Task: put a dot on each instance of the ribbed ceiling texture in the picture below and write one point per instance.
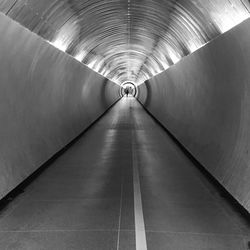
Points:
(127, 40)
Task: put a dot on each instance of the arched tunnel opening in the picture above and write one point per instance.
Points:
(128, 89)
(84, 167)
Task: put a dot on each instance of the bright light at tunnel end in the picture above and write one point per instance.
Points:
(128, 85)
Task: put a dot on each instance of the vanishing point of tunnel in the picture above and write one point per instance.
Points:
(124, 124)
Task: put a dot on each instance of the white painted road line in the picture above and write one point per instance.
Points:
(120, 216)
(140, 234)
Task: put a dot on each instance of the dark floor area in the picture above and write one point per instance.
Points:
(85, 199)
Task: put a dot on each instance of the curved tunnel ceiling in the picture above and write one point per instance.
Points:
(127, 40)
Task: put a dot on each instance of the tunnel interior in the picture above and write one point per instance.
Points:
(124, 124)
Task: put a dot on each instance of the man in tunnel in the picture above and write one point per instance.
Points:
(126, 91)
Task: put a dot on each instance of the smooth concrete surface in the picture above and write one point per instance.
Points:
(85, 199)
(204, 101)
(47, 98)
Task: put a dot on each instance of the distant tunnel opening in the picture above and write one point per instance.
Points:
(128, 89)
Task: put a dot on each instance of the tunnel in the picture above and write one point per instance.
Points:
(125, 124)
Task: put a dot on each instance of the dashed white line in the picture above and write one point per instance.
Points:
(120, 215)
(140, 234)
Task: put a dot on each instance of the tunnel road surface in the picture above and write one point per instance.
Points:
(124, 184)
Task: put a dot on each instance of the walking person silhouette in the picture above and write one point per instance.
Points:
(126, 92)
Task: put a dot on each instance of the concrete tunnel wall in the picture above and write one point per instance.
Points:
(204, 101)
(47, 98)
